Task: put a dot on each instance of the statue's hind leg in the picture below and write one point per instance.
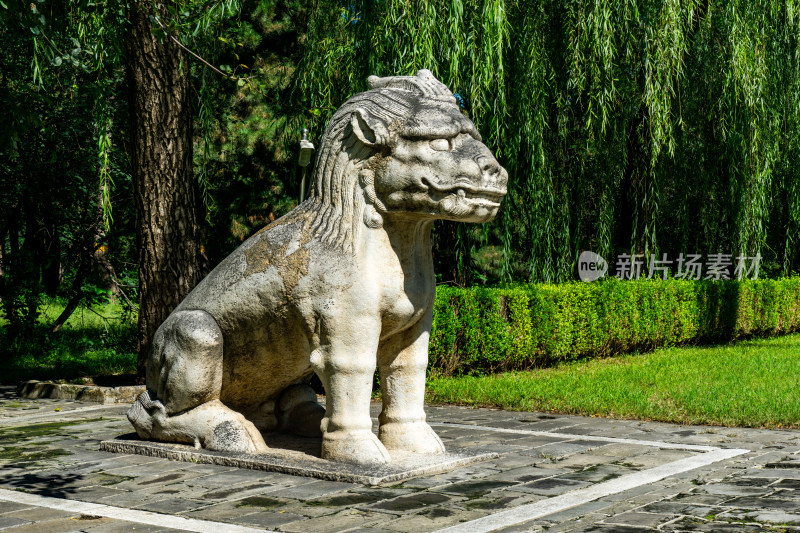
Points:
(299, 412)
(184, 378)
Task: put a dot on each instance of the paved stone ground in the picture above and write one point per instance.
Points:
(556, 473)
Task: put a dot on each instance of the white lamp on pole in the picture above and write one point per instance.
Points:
(306, 149)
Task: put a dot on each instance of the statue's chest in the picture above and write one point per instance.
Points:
(406, 300)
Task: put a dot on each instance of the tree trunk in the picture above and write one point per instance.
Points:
(51, 264)
(75, 294)
(165, 191)
(106, 272)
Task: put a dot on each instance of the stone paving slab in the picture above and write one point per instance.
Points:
(49, 449)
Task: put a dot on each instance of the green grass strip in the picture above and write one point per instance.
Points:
(751, 383)
(100, 340)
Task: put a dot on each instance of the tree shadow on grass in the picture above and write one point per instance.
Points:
(719, 311)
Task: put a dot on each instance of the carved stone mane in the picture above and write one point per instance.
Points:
(342, 196)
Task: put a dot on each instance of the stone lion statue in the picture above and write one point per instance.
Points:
(339, 285)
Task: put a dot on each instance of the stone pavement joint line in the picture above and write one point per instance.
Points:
(574, 498)
(572, 436)
(130, 515)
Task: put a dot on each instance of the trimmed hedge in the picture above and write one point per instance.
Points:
(479, 330)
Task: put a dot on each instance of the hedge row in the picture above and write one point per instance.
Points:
(481, 330)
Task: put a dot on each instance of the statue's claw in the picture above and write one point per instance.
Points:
(357, 447)
(417, 437)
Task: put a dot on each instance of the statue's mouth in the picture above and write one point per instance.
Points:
(465, 191)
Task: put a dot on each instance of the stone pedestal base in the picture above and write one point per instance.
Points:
(299, 456)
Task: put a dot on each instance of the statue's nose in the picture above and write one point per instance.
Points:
(490, 171)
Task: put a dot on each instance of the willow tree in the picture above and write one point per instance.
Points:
(637, 126)
(58, 69)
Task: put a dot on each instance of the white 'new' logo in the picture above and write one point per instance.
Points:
(591, 266)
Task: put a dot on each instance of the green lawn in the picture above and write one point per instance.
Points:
(750, 383)
(94, 341)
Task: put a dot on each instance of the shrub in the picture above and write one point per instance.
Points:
(480, 329)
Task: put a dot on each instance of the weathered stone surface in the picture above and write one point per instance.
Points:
(640, 519)
(340, 285)
(10, 521)
(552, 485)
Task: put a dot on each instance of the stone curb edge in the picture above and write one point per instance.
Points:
(34, 389)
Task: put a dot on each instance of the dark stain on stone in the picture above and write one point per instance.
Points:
(111, 479)
(597, 474)
(260, 501)
(496, 503)
(475, 489)
(437, 513)
(528, 477)
(168, 477)
(225, 432)
(551, 483)
(413, 501)
(15, 434)
(782, 465)
(356, 498)
(24, 456)
(793, 484)
(224, 493)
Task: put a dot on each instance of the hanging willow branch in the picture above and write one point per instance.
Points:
(644, 126)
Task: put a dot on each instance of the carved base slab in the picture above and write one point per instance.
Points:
(296, 456)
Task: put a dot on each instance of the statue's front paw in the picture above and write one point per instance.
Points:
(417, 437)
(145, 413)
(357, 447)
(226, 430)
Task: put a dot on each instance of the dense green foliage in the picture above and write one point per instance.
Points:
(481, 330)
(67, 224)
(750, 383)
(57, 159)
(657, 126)
(245, 146)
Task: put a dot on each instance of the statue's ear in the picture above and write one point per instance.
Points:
(369, 129)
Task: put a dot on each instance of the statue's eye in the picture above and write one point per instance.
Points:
(440, 145)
